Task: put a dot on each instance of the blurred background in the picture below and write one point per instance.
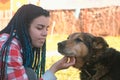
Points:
(98, 17)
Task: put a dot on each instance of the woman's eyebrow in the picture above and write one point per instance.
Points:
(43, 25)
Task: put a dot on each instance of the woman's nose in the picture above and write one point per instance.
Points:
(45, 32)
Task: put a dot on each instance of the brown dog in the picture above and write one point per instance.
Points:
(93, 56)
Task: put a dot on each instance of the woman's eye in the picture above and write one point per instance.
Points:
(78, 40)
(39, 28)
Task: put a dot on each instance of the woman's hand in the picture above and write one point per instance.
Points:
(63, 63)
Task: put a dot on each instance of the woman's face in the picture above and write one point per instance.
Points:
(38, 31)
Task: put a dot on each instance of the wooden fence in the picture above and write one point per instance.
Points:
(101, 21)
(98, 21)
(5, 17)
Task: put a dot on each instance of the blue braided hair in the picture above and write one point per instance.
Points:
(18, 28)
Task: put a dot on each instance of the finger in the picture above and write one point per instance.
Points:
(72, 61)
(65, 59)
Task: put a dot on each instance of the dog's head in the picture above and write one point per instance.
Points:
(81, 45)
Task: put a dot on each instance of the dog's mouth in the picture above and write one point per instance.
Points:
(63, 50)
(66, 53)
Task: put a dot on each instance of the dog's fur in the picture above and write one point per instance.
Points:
(94, 58)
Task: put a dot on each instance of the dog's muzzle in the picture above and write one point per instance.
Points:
(61, 46)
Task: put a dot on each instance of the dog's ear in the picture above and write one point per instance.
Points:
(99, 43)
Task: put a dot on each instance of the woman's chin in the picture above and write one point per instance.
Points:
(38, 45)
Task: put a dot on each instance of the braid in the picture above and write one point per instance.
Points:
(4, 51)
(39, 63)
(43, 61)
(27, 50)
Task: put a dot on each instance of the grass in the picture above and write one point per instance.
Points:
(70, 73)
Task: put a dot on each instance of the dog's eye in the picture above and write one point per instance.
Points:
(68, 37)
(78, 40)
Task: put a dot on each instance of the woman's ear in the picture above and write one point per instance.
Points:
(99, 43)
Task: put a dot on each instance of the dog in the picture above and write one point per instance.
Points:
(94, 58)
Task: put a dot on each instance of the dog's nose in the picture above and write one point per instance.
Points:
(61, 44)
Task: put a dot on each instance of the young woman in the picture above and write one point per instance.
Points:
(23, 46)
